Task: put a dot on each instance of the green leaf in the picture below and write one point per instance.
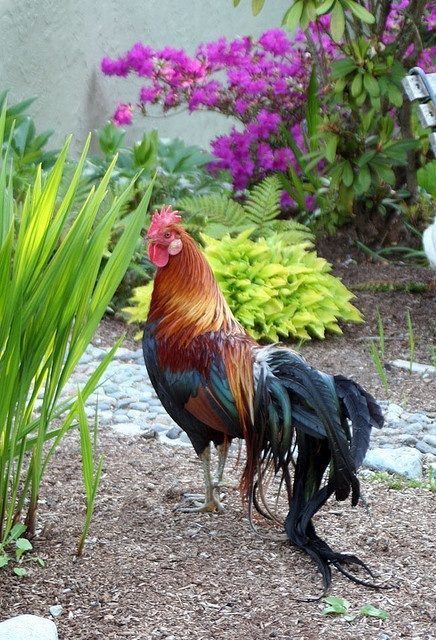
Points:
(371, 85)
(427, 178)
(308, 15)
(360, 99)
(20, 571)
(145, 151)
(257, 6)
(357, 85)
(395, 96)
(372, 612)
(363, 180)
(384, 173)
(330, 147)
(324, 7)
(16, 531)
(291, 19)
(340, 85)
(236, 2)
(359, 11)
(214, 209)
(398, 150)
(337, 23)
(18, 108)
(347, 175)
(387, 126)
(23, 133)
(23, 544)
(263, 202)
(4, 559)
(110, 138)
(367, 119)
(335, 605)
(313, 106)
(343, 67)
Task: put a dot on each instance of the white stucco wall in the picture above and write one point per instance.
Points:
(52, 49)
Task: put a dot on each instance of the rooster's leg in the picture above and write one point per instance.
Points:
(211, 502)
(223, 450)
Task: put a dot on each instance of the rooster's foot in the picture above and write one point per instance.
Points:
(200, 504)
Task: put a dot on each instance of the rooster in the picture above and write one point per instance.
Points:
(218, 384)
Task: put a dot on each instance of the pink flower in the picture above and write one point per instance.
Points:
(241, 106)
(140, 59)
(280, 86)
(310, 202)
(150, 94)
(114, 67)
(275, 41)
(123, 114)
(282, 159)
(265, 156)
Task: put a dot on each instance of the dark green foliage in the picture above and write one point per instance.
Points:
(27, 147)
(427, 178)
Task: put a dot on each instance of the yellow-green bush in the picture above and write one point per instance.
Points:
(274, 289)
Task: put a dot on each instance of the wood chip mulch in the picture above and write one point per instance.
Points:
(149, 572)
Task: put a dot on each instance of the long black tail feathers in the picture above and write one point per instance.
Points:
(324, 557)
(364, 412)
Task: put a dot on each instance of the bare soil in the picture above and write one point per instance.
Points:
(149, 572)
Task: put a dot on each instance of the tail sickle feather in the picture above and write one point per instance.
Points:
(297, 406)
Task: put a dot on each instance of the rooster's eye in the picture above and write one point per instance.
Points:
(167, 234)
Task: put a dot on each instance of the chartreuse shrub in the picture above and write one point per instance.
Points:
(275, 290)
(54, 289)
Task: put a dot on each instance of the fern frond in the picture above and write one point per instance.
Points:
(219, 214)
(218, 211)
(263, 202)
(292, 232)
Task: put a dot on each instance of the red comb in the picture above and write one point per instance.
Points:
(163, 218)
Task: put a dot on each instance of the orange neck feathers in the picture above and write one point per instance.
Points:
(186, 304)
(186, 300)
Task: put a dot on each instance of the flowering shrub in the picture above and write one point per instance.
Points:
(264, 87)
(264, 83)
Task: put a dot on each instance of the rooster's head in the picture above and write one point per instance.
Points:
(164, 236)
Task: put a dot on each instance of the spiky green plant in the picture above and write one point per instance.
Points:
(53, 293)
(91, 470)
(274, 289)
(219, 214)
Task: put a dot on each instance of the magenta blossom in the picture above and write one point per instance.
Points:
(123, 114)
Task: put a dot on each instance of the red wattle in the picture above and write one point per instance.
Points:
(158, 254)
